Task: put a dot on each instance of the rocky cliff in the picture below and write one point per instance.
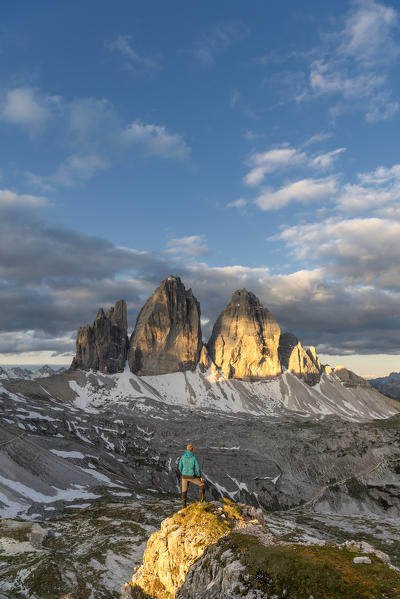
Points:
(223, 550)
(104, 344)
(181, 540)
(245, 339)
(295, 358)
(388, 385)
(167, 335)
(349, 378)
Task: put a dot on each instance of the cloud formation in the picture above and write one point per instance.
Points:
(303, 191)
(27, 108)
(123, 45)
(353, 63)
(285, 158)
(344, 299)
(89, 131)
(192, 245)
(220, 38)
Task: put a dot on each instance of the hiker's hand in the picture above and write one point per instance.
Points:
(202, 479)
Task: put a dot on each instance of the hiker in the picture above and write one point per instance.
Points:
(190, 471)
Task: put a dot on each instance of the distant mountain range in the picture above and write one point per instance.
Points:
(388, 385)
(25, 373)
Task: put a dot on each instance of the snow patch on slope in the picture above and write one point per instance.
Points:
(203, 391)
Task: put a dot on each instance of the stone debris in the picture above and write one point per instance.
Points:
(362, 560)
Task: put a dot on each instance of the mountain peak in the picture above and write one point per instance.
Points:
(245, 338)
(104, 344)
(167, 335)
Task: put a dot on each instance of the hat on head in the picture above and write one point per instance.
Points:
(189, 447)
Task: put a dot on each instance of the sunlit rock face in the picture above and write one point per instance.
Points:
(293, 357)
(104, 344)
(167, 335)
(181, 541)
(245, 339)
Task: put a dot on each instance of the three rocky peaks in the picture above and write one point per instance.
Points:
(246, 341)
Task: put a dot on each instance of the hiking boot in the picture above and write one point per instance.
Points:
(184, 500)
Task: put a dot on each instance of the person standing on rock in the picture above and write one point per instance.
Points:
(190, 471)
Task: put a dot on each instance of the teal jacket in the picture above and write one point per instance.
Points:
(189, 465)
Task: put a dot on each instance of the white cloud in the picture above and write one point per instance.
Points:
(368, 33)
(359, 250)
(303, 191)
(285, 158)
(26, 107)
(156, 140)
(192, 245)
(240, 203)
(317, 138)
(381, 175)
(78, 167)
(353, 63)
(376, 191)
(220, 38)
(263, 163)
(10, 199)
(123, 45)
(90, 133)
(325, 161)
(250, 135)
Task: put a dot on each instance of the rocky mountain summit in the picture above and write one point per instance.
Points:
(103, 345)
(388, 385)
(224, 550)
(25, 373)
(303, 363)
(246, 341)
(167, 335)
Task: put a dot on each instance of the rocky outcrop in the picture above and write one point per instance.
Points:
(303, 363)
(167, 335)
(349, 378)
(223, 550)
(181, 541)
(388, 385)
(104, 344)
(245, 338)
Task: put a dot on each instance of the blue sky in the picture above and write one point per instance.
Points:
(234, 144)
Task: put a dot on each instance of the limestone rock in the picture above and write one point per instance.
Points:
(349, 378)
(245, 338)
(167, 335)
(104, 344)
(294, 357)
(204, 360)
(362, 560)
(181, 541)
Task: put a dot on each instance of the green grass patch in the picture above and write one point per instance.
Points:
(296, 571)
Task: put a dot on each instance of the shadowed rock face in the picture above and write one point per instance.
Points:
(104, 344)
(245, 338)
(349, 378)
(295, 358)
(167, 335)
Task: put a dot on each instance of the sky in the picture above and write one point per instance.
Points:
(233, 144)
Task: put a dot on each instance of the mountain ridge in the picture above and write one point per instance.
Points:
(246, 341)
